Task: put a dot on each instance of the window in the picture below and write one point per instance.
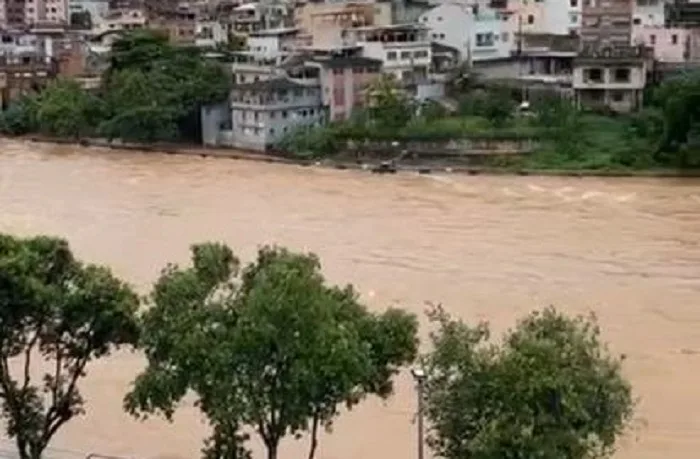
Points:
(622, 75)
(504, 36)
(594, 75)
(484, 39)
(420, 54)
(272, 115)
(442, 36)
(652, 39)
(272, 131)
(636, 21)
(337, 71)
(574, 18)
(358, 70)
(618, 96)
(405, 55)
(674, 39)
(573, 3)
(530, 19)
(391, 55)
(439, 18)
(284, 113)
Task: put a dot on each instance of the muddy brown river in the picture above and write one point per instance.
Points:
(485, 247)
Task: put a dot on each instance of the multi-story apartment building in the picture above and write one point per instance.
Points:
(262, 113)
(19, 13)
(609, 71)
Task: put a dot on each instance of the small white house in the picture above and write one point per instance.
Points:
(479, 33)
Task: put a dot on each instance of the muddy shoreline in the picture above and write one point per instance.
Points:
(372, 166)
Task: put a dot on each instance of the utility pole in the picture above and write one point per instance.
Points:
(419, 376)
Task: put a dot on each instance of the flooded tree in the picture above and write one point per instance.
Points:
(548, 389)
(270, 347)
(56, 315)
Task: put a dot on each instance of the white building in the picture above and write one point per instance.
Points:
(649, 13)
(404, 49)
(478, 33)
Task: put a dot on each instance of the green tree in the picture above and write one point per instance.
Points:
(20, 117)
(549, 389)
(389, 107)
(166, 85)
(270, 347)
(55, 309)
(679, 99)
(66, 110)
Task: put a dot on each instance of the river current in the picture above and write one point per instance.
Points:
(487, 248)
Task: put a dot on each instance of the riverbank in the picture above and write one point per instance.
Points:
(373, 166)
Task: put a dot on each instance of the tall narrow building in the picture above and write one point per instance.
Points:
(606, 23)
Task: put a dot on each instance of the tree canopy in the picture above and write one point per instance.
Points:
(152, 91)
(679, 99)
(54, 309)
(271, 347)
(549, 389)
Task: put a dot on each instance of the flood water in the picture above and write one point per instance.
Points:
(489, 248)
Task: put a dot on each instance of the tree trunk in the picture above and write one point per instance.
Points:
(314, 437)
(272, 449)
(22, 448)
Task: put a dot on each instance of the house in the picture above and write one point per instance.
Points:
(611, 77)
(546, 64)
(263, 112)
(479, 33)
(403, 49)
(344, 80)
(179, 24)
(118, 20)
(253, 17)
(556, 17)
(209, 34)
(324, 23)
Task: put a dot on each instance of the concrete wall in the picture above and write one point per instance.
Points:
(214, 118)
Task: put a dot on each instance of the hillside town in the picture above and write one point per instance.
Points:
(304, 63)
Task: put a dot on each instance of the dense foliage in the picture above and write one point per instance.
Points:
(152, 91)
(270, 347)
(549, 389)
(60, 314)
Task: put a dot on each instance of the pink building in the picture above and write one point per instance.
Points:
(344, 80)
(670, 45)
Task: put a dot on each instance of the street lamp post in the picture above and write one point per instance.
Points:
(419, 376)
